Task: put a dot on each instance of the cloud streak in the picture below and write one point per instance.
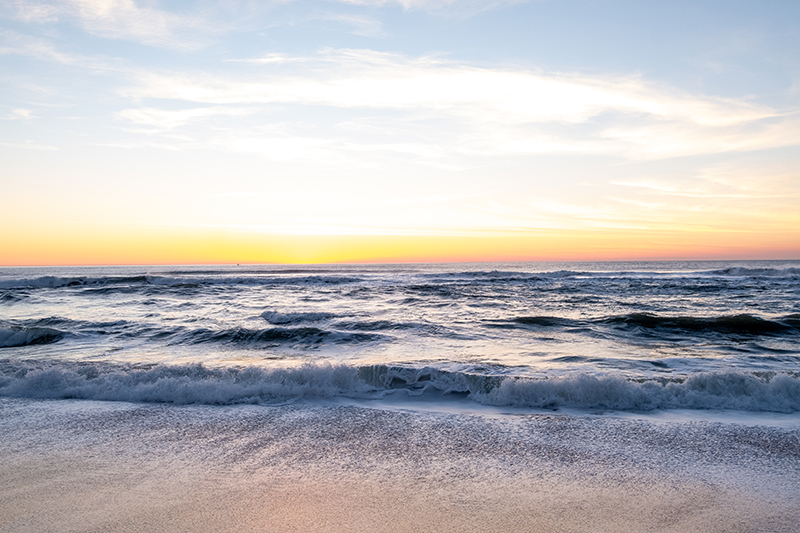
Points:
(485, 111)
(119, 19)
(457, 7)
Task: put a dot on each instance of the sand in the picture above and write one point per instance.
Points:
(95, 466)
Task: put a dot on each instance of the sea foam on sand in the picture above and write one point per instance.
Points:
(69, 465)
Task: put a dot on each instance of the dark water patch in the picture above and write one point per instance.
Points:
(303, 336)
(761, 348)
(439, 291)
(315, 280)
(776, 358)
(113, 289)
(179, 290)
(792, 320)
(572, 359)
(545, 321)
(162, 333)
(494, 276)
(742, 324)
(377, 325)
(296, 317)
(64, 326)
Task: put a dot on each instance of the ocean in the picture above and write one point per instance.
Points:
(671, 382)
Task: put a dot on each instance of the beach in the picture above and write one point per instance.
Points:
(99, 466)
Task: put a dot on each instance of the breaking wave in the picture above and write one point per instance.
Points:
(197, 384)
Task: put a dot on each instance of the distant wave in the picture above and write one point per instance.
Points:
(245, 337)
(517, 276)
(53, 329)
(258, 280)
(54, 282)
(197, 384)
(758, 272)
(12, 297)
(743, 323)
(123, 283)
(728, 324)
(427, 282)
(505, 275)
(275, 317)
(22, 336)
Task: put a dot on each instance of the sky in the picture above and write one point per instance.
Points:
(291, 131)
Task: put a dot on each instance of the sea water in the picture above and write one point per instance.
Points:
(646, 396)
(624, 336)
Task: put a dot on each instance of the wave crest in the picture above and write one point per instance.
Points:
(26, 336)
(197, 384)
(711, 390)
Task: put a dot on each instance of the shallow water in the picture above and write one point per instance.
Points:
(77, 465)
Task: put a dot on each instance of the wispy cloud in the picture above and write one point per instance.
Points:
(125, 19)
(31, 11)
(163, 119)
(18, 114)
(14, 43)
(28, 145)
(457, 7)
(360, 25)
(491, 111)
(119, 19)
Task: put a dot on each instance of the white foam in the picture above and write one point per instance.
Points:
(190, 384)
(187, 384)
(706, 390)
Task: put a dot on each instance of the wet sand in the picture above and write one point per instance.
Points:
(94, 466)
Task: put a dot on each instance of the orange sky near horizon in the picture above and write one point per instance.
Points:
(159, 247)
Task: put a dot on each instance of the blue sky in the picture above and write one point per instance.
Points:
(402, 117)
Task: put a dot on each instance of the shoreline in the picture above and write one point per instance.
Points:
(72, 465)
